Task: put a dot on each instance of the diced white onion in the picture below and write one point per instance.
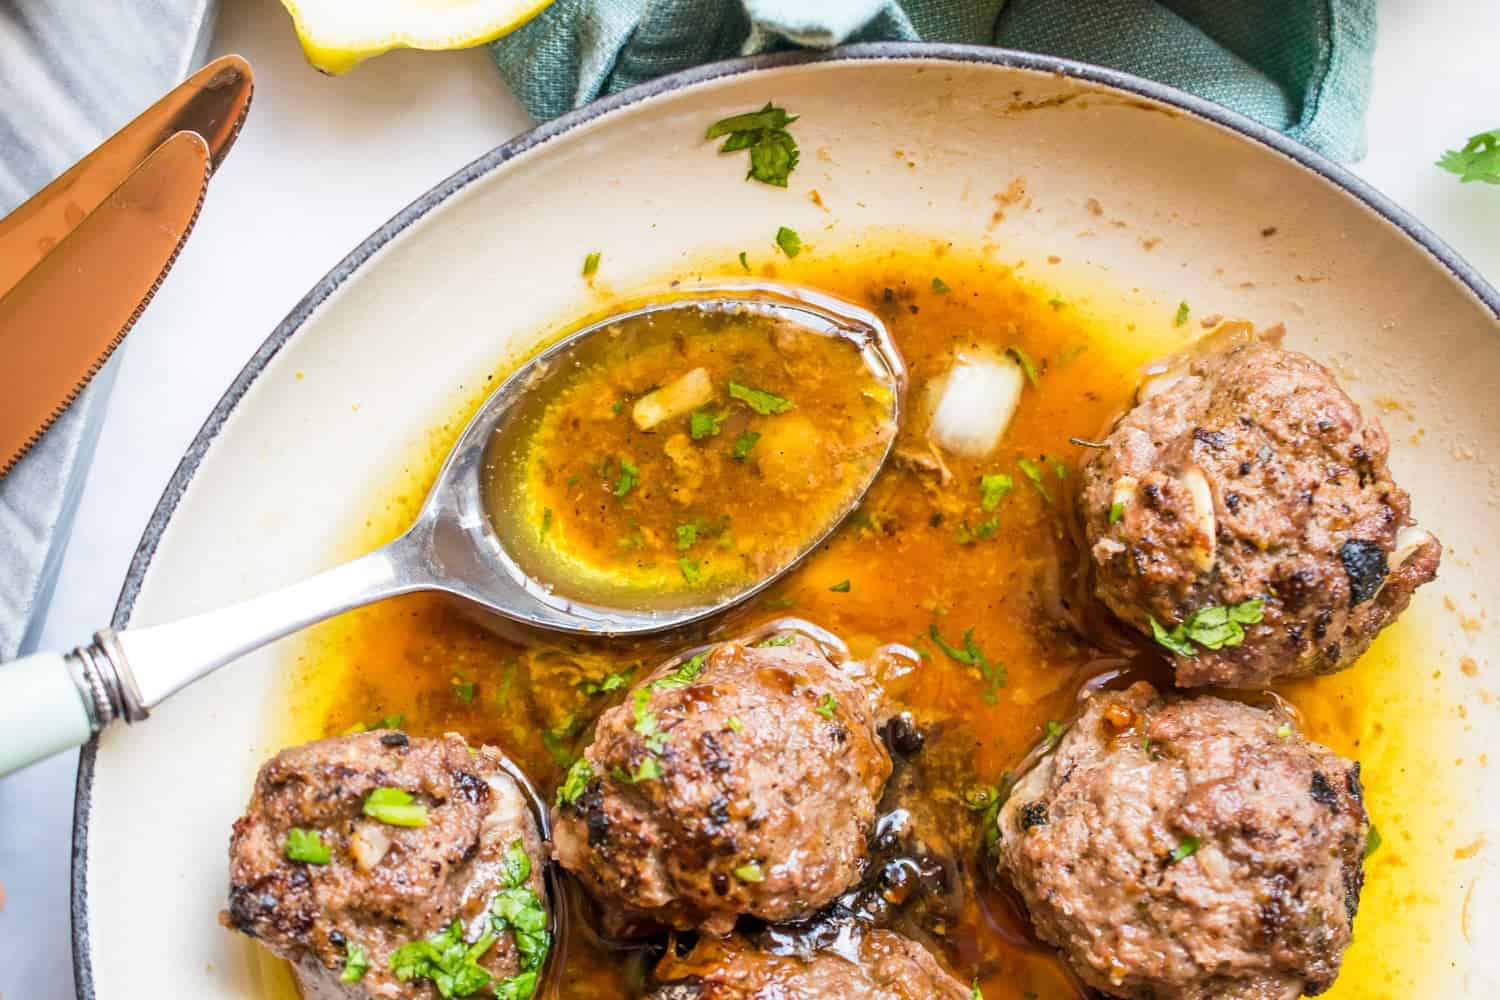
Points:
(680, 396)
(1408, 541)
(368, 844)
(1124, 492)
(1157, 383)
(975, 403)
(1204, 519)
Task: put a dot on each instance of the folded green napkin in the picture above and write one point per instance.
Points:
(1299, 66)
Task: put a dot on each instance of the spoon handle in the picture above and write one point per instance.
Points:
(50, 702)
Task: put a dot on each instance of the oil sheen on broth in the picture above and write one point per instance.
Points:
(909, 568)
(684, 454)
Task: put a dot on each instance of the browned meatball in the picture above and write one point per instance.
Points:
(1188, 850)
(1246, 479)
(885, 966)
(741, 781)
(452, 852)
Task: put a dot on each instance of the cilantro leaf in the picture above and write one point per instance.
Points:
(1054, 731)
(691, 574)
(1185, 850)
(789, 241)
(992, 489)
(647, 725)
(827, 705)
(687, 535)
(750, 872)
(515, 866)
(1033, 472)
(768, 117)
(744, 262)
(765, 403)
(446, 960)
(591, 263)
(743, 444)
(1183, 311)
(703, 424)
(972, 656)
(940, 287)
(773, 150)
(395, 807)
(306, 846)
(842, 587)
(1024, 360)
(1212, 628)
(683, 676)
(1373, 841)
(630, 477)
(577, 781)
(1479, 160)
(1116, 512)
(356, 963)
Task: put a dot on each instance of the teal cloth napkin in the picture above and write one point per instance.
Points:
(1299, 66)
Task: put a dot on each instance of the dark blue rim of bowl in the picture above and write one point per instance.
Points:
(878, 51)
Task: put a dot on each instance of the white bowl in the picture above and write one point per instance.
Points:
(1243, 222)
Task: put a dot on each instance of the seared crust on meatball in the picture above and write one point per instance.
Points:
(1246, 474)
(1189, 849)
(741, 781)
(887, 966)
(382, 886)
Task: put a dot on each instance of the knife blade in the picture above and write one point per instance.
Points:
(212, 102)
(65, 317)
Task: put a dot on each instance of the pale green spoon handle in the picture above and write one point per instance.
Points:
(42, 710)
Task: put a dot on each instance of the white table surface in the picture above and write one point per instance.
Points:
(322, 162)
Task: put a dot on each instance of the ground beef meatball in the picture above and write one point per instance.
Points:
(743, 780)
(882, 965)
(1188, 850)
(1243, 475)
(451, 852)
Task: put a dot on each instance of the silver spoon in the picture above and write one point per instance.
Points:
(52, 701)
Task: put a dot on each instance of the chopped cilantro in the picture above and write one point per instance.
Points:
(515, 866)
(1033, 472)
(464, 690)
(744, 262)
(630, 477)
(1212, 628)
(1479, 160)
(842, 587)
(546, 522)
(1185, 850)
(1056, 304)
(762, 402)
(1054, 731)
(1116, 511)
(750, 872)
(743, 444)
(773, 151)
(703, 424)
(785, 639)
(689, 569)
(647, 725)
(591, 263)
(972, 656)
(648, 770)
(611, 682)
(992, 489)
(1024, 360)
(395, 807)
(450, 963)
(576, 782)
(940, 287)
(687, 535)
(1284, 730)
(1372, 841)
(356, 963)
(789, 241)
(306, 846)
(827, 705)
(735, 725)
(1183, 312)
(974, 991)
(683, 676)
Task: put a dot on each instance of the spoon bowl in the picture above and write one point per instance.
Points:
(453, 547)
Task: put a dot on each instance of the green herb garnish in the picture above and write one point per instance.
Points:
(992, 489)
(789, 241)
(610, 682)
(630, 477)
(395, 807)
(1024, 360)
(1182, 314)
(687, 535)
(1284, 730)
(735, 725)
(827, 705)
(356, 963)
(464, 690)
(689, 569)
(842, 587)
(1212, 628)
(972, 656)
(683, 676)
(649, 770)
(750, 872)
(1033, 472)
(451, 964)
(1054, 731)
(940, 287)
(1184, 850)
(743, 444)
(591, 263)
(703, 424)
(1479, 160)
(306, 846)
(546, 522)
(762, 402)
(773, 151)
(1373, 841)
(576, 782)
(974, 991)
(744, 262)
(785, 639)
(1116, 511)
(647, 725)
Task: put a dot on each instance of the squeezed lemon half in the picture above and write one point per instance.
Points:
(338, 35)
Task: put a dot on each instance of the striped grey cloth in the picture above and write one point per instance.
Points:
(71, 74)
